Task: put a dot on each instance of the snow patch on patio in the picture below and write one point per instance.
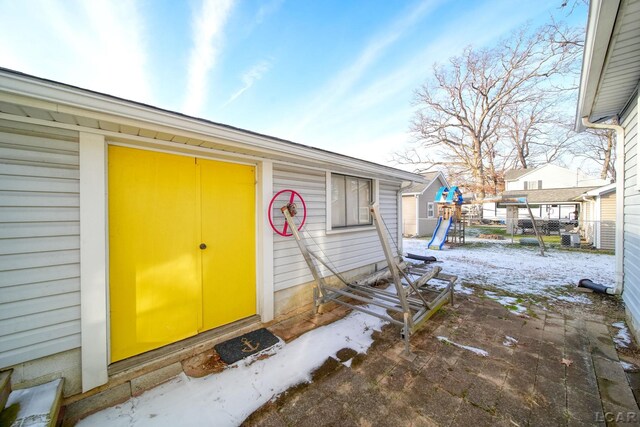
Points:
(478, 351)
(579, 298)
(623, 337)
(509, 341)
(628, 367)
(227, 398)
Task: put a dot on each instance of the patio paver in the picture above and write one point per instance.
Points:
(563, 370)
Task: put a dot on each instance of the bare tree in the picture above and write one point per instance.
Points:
(467, 107)
(599, 147)
(535, 132)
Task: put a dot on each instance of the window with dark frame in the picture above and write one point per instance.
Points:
(533, 185)
(350, 200)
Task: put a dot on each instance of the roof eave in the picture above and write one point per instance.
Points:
(529, 171)
(609, 188)
(444, 179)
(66, 98)
(601, 21)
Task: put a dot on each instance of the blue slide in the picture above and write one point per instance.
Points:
(440, 233)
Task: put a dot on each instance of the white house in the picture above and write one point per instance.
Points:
(548, 176)
(550, 190)
(419, 212)
(609, 90)
(129, 232)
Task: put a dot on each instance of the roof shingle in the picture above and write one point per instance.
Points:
(549, 196)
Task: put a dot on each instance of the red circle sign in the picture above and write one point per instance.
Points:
(284, 197)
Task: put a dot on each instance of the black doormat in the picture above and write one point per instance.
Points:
(245, 345)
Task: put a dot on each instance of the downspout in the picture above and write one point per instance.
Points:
(619, 286)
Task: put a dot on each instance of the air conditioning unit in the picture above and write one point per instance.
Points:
(570, 240)
(575, 240)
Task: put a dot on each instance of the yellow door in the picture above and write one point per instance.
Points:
(161, 209)
(228, 230)
(153, 262)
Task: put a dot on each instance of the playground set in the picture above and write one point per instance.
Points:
(451, 225)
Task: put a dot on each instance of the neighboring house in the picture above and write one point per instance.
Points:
(419, 211)
(549, 189)
(598, 216)
(126, 229)
(609, 90)
(548, 176)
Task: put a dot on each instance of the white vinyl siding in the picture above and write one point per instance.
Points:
(39, 242)
(608, 221)
(631, 196)
(344, 251)
(389, 212)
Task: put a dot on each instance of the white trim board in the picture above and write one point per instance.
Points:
(93, 260)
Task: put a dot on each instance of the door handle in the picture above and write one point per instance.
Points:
(203, 246)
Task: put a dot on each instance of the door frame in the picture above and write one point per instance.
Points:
(94, 248)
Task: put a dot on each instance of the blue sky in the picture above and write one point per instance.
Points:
(334, 74)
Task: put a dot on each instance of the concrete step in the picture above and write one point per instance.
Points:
(33, 406)
(5, 387)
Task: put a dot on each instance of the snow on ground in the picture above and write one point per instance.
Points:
(217, 399)
(478, 351)
(521, 270)
(623, 338)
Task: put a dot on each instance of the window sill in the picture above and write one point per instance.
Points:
(351, 229)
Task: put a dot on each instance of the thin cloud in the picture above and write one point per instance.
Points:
(479, 22)
(345, 80)
(207, 33)
(267, 9)
(399, 82)
(98, 44)
(249, 78)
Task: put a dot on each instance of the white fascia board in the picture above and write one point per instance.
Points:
(441, 175)
(65, 99)
(600, 24)
(602, 190)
